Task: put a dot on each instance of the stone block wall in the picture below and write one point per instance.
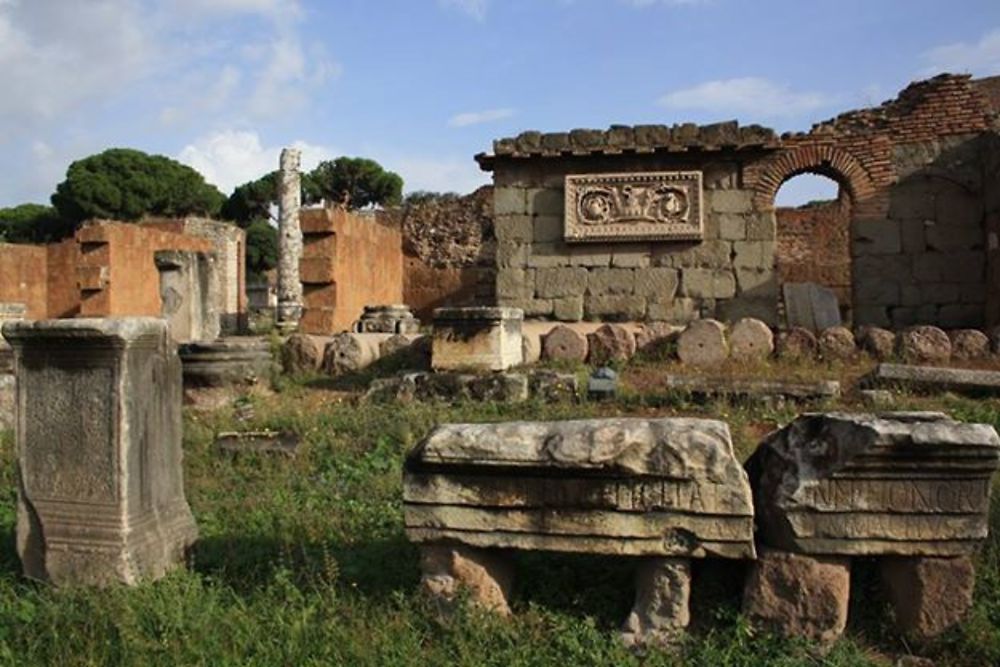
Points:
(728, 274)
(991, 205)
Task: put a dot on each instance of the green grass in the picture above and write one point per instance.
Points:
(303, 561)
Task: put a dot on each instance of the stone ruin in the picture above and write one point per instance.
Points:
(661, 490)
(911, 489)
(101, 490)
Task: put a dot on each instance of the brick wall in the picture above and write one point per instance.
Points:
(813, 245)
(23, 275)
(349, 261)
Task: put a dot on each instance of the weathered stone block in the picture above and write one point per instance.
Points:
(509, 201)
(101, 493)
(836, 343)
(603, 282)
(967, 344)
(935, 379)
(548, 255)
(546, 202)
(512, 254)
(753, 254)
(910, 484)
(351, 352)
(618, 308)
(612, 342)
(798, 595)
(486, 575)
(709, 254)
(928, 595)
(631, 256)
(761, 227)
(876, 237)
(515, 283)
(657, 283)
(548, 229)
(302, 353)
(797, 343)
(660, 613)
(732, 227)
(730, 201)
(879, 343)
(560, 282)
(515, 228)
(589, 255)
(922, 344)
(568, 309)
(479, 338)
(652, 487)
(677, 310)
(708, 283)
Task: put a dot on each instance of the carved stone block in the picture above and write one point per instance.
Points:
(101, 496)
(477, 338)
(654, 206)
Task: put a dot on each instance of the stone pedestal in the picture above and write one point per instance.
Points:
(928, 595)
(485, 575)
(477, 338)
(391, 319)
(101, 495)
(227, 362)
(289, 240)
(799, 596)
(662, 592)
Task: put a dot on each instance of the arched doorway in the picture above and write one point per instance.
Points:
(813, 238)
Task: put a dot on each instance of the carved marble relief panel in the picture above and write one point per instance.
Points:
(658, 206)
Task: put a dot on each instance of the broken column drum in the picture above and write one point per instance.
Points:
(477, 338)
(101, 494)
(661, 490)
(289, 239)
(911, 488)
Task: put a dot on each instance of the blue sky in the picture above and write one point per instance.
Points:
(423, 85)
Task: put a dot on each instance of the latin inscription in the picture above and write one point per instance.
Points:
(899, 495)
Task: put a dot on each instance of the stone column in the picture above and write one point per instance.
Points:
(289, 240)
(98, 429)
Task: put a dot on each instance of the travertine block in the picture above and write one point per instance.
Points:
(486, 575)
(101, 494)
(477, 338)
(903, 483)
(928, 595)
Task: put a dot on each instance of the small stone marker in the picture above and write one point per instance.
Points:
(602, 384)
(879, 343)
(703, 343)
(969, 344)
(478, 338)
(563, 343)
(612, 342)
(810, 306)
(912, 486)
(664, 489)
(836, 344)
(797, 344)
(923, 344)
(964, 380)
(101, 498)
(750, 339)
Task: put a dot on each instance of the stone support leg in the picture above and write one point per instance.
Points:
(928, 595)
(486, 575)
(662, 592)
(799, 596)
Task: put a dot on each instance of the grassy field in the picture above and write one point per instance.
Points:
(303, 561)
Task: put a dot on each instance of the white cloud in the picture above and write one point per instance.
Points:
(479, 117)
(981, 58)
(474, 8)
(436, 174)
(750, 96)
(232, 157)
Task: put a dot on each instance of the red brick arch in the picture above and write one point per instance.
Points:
(823, 159)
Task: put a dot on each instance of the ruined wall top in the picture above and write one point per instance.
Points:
(943, 105)
(619, 139)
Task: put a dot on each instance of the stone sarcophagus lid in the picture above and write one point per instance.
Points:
(651, 206)
(633, 487)
(862, 484)
(98, 428)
